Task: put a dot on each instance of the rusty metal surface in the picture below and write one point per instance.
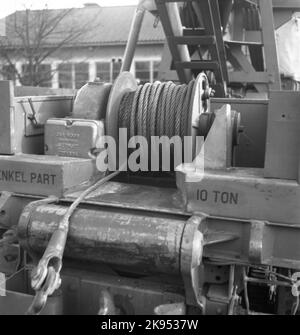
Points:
(43, 175)
(140, 243)
(225, 238)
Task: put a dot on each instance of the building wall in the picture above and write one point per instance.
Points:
(73, 67)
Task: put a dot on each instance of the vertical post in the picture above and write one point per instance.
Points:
(111, 71)
(133, 38)
(151, 71)
(55, 76)
(269, 41)
(135, 32)
(73, 76)
(19, 70)
(238, 31)
(92, 71)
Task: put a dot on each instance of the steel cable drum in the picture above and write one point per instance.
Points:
(136, 242)
(158, 109)
(123, 84)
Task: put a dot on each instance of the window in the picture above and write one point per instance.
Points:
(26, 75)
(45, 75)
(103, 71)
(37, 75)
(142, 71)
(9, 72)
(117, 64)
(65, 75)
(81, 74)
(156, 65)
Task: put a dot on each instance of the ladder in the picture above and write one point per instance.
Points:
(251, 50)
(209, 35)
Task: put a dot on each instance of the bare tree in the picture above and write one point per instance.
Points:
(34, 35)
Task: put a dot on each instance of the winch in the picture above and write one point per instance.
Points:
(154, 198)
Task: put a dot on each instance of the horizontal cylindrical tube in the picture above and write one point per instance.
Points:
(140, 243)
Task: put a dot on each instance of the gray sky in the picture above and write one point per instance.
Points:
(8, 7)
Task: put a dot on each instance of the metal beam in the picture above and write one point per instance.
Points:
(286, 4)
(269, 41)
(252, 77)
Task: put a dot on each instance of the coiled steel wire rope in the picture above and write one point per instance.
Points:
(158, 109)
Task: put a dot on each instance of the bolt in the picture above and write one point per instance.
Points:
(69, 123)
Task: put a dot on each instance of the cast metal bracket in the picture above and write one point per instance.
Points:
(196, 236)
(191, 259)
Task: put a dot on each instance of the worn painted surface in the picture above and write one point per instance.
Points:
(242, 194)
(43, 175)
(140, 243)
(136, 197)
(72, 137)
(28, 138)
(283, 140)
(226, 238)
(82, 290)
